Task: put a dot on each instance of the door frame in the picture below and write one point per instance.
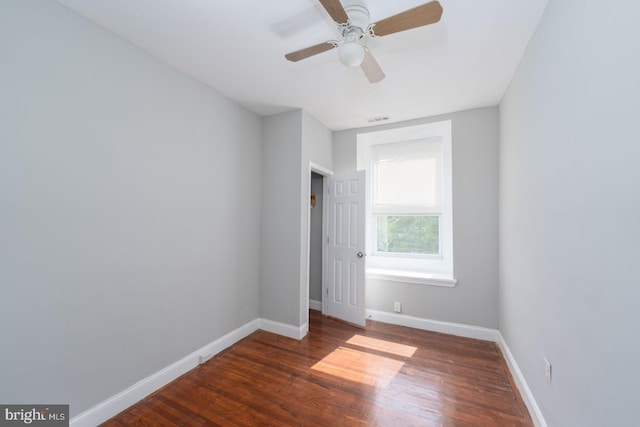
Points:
(324, 172)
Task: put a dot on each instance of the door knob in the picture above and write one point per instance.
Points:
(360, 254)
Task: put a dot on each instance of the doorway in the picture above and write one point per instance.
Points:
(336, 265)
(316, 247)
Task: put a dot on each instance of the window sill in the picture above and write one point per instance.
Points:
(415, 277)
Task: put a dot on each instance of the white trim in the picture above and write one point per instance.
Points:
(458, 329)
(325, 243)
(321, 170)
(315, 305)
(414, 277)
(525, 391)
(121, 401)
(295, 332)
(469, 331)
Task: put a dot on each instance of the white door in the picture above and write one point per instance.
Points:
(346, 256)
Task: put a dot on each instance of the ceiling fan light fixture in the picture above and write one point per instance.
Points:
(351, 54)
(352, 19)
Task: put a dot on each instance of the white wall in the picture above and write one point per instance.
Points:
(474, 300)
(570, 203)
(129, 210)
(291, 141)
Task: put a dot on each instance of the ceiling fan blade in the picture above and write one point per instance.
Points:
(371, 68)
(336, 11)
(428, 13)
(309, 51)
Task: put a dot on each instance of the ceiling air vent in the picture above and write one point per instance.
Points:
(378, 119)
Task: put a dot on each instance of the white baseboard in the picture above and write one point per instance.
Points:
(458, 329)
(469, 331)
(315, 305)
(295, 332)
(121, 401)
(525, 391)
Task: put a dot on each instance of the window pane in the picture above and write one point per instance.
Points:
(408, 234)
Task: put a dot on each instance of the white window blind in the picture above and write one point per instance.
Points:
(407, 177)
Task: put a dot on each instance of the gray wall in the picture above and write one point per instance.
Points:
(281, 220)
(291, 141)
(129, 210)
(315, 246)
(474, 300)
(570, 203)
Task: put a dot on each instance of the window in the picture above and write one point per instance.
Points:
(406, 195)
(409, 215)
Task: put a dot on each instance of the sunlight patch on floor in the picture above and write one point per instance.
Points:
(363, 366)
(359, 366)
(382, 345)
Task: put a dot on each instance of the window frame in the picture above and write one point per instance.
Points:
(412, 268)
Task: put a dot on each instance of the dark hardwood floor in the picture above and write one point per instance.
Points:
(339, 375)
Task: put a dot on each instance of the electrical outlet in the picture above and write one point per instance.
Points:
(547, 371)
(397, 307)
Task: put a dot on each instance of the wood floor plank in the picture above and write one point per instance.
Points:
(383, 375)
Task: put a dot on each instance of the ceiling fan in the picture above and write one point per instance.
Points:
(355, 27)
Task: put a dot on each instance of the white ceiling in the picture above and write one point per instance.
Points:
(237, 47)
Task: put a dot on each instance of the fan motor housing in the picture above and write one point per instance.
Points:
(358, 14)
